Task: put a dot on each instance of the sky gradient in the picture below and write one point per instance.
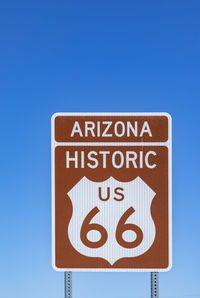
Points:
(93, 56)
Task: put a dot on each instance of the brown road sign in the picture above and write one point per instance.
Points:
(111, 192)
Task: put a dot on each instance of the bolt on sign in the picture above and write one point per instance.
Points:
(111, 192)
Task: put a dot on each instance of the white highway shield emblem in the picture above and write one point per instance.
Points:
(111, 219)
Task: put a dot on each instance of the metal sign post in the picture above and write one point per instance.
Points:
(68, 284)
(154, 285)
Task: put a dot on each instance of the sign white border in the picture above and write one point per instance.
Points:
(168, 144)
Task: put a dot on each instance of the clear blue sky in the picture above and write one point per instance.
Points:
(60, 56)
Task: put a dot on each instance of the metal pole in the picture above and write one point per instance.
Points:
(154, 285)
(68, 284)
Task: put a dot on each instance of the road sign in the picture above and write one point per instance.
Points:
(111, 192)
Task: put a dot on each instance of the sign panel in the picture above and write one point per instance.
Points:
(111, 192)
